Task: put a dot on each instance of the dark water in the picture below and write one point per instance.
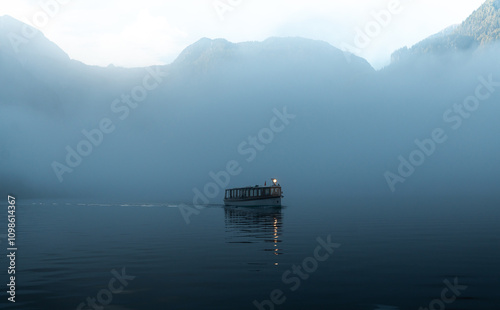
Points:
(386, 255)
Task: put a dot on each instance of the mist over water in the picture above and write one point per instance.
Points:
(351, 123)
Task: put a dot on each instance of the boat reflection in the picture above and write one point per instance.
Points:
(255, 225)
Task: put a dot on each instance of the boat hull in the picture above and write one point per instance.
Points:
(270, 201)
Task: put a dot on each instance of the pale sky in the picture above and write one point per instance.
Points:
(148, 32)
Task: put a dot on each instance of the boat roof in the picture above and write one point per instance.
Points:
(252, 187)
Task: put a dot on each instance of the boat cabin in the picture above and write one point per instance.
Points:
(254, 196)
(253, 192)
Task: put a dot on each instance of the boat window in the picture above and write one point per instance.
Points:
(267, 191)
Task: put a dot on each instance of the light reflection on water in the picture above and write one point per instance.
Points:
(250, 225)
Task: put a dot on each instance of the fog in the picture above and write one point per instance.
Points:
(348, 124)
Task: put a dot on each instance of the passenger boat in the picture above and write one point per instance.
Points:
(254, 196)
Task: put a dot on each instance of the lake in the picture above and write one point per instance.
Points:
(432, 253)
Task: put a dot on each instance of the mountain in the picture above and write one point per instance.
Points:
(49, 99)
(288, 107)
(212, 53)
(484, 24)
(25, 42)
(480, 28)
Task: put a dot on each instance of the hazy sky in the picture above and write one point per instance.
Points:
(146, 32)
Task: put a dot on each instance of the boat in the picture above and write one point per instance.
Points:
(253, 196)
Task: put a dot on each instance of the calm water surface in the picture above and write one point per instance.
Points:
(389, 255)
